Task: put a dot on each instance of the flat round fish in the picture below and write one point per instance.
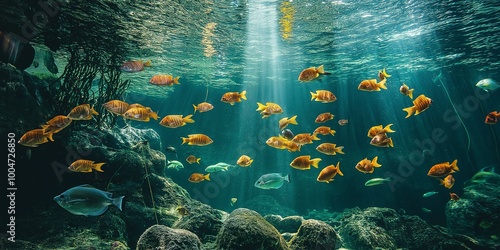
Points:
(87, 200)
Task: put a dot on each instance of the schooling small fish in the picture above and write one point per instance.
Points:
(87, 200)
(271, 181)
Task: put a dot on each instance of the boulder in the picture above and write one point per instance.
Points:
(163, 237)
(289, 224)
(202, 220)
(314, 234)
(246, 229)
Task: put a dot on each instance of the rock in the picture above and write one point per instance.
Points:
(202, 220)
(246, 229)
(314, 234)
(288, 224)
(163, 237)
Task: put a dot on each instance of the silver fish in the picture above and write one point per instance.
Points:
(429, 194)
(271, 181)
(377, 181)
(487, 85)
(216, 168)
(87, 200)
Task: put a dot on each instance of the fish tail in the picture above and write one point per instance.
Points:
(184, 140)
(176, 80)
(298, 148)
(207, 177)
(260, 106)
(410, 93)
(315, 161)
(195, 108)
(97, 166)
(332, 132)
(375, 163)
(188, 119)
(385, 73)
(441, 181)
(454, 165)
(148, 63)
(314, 137)
(118, 202)
(92, 110)
(381, 84)
(313, 95)
(409, 110)
(293, 120)
(320, 69)
(287, 178)
(198, 160)
(250, 162)
(338, 169)
(388, 129)
(243, 95)
(339, 149)
(153, 115)
(49, 136)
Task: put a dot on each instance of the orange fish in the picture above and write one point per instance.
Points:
(85, 166)
(419, 105)
(140, 114)
(135, 66)
(269, 109)
(329, 172)
(382, 140)
(56, 124)
(324, 117)
(304, 162)
(305, 138)
(192, 159)
(324, 130)
(323, 96)
(292, 146)
(343, 122)
(366, 166)
(244, 161)
(175, 121)
(372, 85)
(35, 137)
(312, 73)
(405, 90)
(82, 112)
(283, 122)
(116, 107)
(330, 149)
(278, 142)
(203, 107)
(137, 105)
(448, 181)
(232, 97)
(454, 197)
(164, 80)
(375, 130)
(197, 177)
(382, 74)
(197, 139)
(443, 169)
(492, 118)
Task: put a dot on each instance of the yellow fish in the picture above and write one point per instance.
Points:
(85, 166)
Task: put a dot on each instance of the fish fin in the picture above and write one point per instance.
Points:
(153, 115)
(243, 95)
(441, 181)
(338, 169)
(188, 119)
(375, 163)
(49, 136)
(294, 121)
(195, 108)
(332, 132)
(339, 149)
(147, 63)
(232, 103)
(314, 137)
(260, 106)
(287, 178)
(250, 162)
(388, 129)
(315, 161)
(198, 160)
(381, 84)
(176, 80)
(118, 201)
(320, 69)
(207, 177)
(410, 93)
(92, 110)
(313, 95)
(409, 110)
(97, 166)
(385, 73)
(391, 144)
(184, 140)
(454, 165)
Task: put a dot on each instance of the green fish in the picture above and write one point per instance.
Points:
(175, 165)
(377, 181)
(271, 181)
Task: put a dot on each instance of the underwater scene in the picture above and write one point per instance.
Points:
(250, 124)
